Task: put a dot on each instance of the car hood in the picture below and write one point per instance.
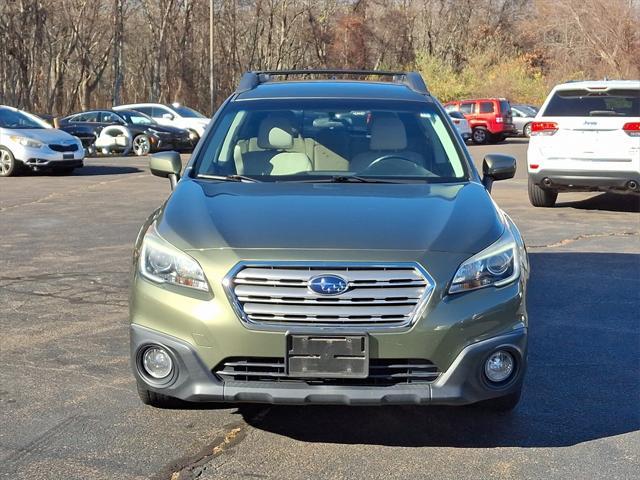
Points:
(45, 135)
(447, 218)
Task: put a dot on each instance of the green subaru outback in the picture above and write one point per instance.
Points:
(330, 242)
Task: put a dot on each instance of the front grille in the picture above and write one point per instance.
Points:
(382, 372)
(376, 295)
(64, 148)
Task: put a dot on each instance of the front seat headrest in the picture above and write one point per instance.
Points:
(276, 132)
(387, 133)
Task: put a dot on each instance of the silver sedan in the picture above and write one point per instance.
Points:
(28, 142)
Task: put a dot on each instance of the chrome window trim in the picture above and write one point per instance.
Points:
(228, 286)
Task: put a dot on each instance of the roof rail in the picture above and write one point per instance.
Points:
(251, 80)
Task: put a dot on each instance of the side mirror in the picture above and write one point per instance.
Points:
(167, 116)
(166, 165)
(497, 167)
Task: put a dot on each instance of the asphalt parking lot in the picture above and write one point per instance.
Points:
(69, 410)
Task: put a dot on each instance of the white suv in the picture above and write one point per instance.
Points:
(174, 115)
(586, 137)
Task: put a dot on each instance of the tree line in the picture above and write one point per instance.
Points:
(60, 56)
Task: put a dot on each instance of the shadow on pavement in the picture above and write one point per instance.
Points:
(582, 384)
(90, 170)
(613, 202)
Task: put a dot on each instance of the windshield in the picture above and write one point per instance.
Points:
(307, 139)
(585, 103)
(17, 120)
(526, 110)
(187, 112)
(136, 118)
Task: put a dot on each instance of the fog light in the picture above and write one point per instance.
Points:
(499, 366)
(157, 362)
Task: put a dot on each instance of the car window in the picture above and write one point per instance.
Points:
(585, 103)
(187, 112)
(467, 107)
(91, 117)
(315, 138)
(505, 107)
(159, 111)
(450, 108)
(136, 118)
(17, 120)
(524, 111)
(486, 107)
(110, 117)
(456, 115)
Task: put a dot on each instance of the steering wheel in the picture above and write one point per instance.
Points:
(397, 163)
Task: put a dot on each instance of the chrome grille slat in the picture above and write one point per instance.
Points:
(378, 294)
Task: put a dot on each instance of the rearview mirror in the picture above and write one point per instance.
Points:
(497, 167)
(167, 116)
(166, 165)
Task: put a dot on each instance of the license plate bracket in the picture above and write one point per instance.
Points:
(327, 356)
(67, 156)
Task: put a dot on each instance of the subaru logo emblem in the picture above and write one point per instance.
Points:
(328, 285)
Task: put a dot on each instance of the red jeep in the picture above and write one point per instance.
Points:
(489, 118)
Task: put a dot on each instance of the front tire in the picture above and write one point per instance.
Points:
(141, 145)
(480, 136)
(155, 399)
(540, 197)
(9, 166)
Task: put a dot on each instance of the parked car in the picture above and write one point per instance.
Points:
(490, 119)
(174, 115)
(461, 125)
(301, 259)
(27, 141)
(146, 135)
(586, 137)
(523, 115)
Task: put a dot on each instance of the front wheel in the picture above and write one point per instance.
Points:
(9, 166)
(480, 136)
(141, 145)
(540, 197)
(155, 399)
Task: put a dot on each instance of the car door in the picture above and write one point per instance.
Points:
(486, 114)
(520, 119)
(84, 126)
(468, 110)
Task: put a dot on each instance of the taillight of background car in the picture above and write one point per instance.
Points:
(632, 129)
(543, 128)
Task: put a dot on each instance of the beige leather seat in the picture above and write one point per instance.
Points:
(388, 137)
(276, 139)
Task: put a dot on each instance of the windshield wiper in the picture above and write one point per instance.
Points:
(352, 179)
(229, 178)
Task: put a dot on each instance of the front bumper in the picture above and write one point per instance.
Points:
(170, 143)
(586, 180)
(462, 383)
(47, 158)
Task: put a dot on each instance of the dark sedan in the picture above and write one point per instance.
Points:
(146, 134)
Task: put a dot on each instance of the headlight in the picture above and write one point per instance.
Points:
(496, 265)
(26, 141)
(161, 262)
